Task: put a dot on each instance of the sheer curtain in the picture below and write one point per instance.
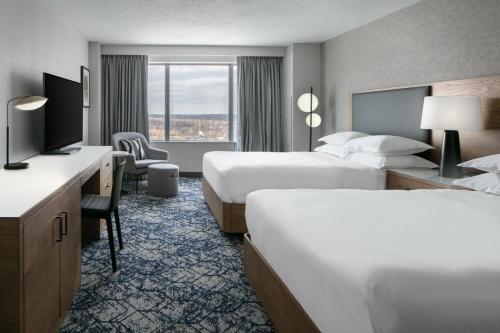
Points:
(124, 95)
(259, 95)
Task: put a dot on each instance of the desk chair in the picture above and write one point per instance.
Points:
(97, 206)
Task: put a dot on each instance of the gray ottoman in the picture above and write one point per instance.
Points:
(163, 180)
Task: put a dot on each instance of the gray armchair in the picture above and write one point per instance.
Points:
(139, 167)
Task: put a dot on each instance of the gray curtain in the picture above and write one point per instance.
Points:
(259, 95)
(124, 95)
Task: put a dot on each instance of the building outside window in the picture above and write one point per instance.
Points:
(192, 102)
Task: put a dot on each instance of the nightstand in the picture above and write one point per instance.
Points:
(413, 179)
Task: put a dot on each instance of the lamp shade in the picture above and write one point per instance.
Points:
(452, 113)
(304, 102)
(313, 120)
(29, 103)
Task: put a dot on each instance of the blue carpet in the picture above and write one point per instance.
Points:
(177, 273)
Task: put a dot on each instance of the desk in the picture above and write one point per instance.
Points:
(40, 235)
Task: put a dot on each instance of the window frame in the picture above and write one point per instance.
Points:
(231, 112)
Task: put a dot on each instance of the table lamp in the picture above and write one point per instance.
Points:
(23, 103)
(451, 114)
(308, 102)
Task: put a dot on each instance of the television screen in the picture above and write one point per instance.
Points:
(63, 112)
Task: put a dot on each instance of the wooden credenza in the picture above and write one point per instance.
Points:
(40, 236)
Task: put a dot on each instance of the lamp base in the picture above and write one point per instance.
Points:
(16, 166)
(450, 155)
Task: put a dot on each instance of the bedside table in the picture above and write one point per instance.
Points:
(413, 179)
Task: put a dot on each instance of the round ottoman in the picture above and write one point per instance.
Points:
(163, 180)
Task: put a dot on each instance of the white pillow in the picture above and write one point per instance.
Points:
(489, 163)
(341, 138)
(339, 151)
(486, 183)
(388, 162)
(387, 145)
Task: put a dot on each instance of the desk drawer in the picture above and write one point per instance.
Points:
(106, 184)
(106, 174)
(107, 163)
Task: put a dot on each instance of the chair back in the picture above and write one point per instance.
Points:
(117, 185)
(117, 137)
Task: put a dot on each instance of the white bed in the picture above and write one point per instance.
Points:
(408, 261)
(232, 175)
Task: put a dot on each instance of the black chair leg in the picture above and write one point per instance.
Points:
(136, 184)
(111, 241)
(118, 228)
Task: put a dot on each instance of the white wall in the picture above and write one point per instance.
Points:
(189, 155)
(34, 40)
(95, 94)
(302, 67)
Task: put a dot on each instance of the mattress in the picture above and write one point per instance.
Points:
(384, 261)
(233, 175)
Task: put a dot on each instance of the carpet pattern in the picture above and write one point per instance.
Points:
(177, 273)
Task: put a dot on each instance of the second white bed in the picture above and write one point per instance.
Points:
(233, 175)
(384, 261)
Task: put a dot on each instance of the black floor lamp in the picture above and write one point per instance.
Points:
(23, 103)
(308, 102)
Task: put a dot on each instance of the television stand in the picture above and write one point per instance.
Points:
(63, 151)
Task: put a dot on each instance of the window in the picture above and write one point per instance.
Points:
(192, 102)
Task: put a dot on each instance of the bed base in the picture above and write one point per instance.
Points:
(283, 308)
(230, 216)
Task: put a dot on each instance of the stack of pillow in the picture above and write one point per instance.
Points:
(488, 182)
(377, 151)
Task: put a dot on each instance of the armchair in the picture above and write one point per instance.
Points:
(135, 167)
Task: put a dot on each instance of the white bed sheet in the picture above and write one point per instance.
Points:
(233, 175)
(384, 261)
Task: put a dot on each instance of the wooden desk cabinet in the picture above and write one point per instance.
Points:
(40, 246)
(52, 246)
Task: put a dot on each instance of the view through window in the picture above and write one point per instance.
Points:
(192, 102)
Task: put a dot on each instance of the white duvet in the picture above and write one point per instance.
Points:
(384, 261)
(233, 175)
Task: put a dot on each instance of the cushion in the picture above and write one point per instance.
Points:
(391, 162)
(144, 163)
(341, 138)
(387, 145)
(489, 163)
(134, 147)
(330, 149)
(485, 183)
(94, 202)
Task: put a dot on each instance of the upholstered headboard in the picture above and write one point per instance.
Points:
(392, 112)
(395, 111)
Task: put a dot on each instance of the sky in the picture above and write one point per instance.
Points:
(200, 89)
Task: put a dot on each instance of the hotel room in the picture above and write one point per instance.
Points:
(250, 166)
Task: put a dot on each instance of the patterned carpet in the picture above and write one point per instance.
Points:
(177, 273)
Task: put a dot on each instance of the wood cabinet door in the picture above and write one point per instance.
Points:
(70, 247)
(41, 270)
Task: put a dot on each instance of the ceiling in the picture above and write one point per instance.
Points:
(220, 22)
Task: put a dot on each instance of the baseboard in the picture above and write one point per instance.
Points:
(191, 174)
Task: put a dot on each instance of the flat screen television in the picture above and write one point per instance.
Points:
(63, 113)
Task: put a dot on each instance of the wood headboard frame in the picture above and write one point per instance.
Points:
(473, 143)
